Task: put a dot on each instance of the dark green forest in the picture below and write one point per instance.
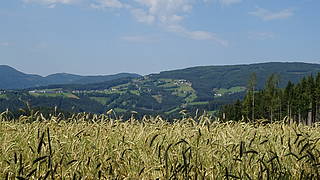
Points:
(299, 102)
(192, 91)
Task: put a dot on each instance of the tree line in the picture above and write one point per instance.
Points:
(298, 102)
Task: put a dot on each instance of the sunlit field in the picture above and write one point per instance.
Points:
(101, 147)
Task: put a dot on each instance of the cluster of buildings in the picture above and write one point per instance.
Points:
(182, 81)
(61, 91)
(47, 91)
(87, 91)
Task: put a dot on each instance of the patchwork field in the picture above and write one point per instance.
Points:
(92, 147)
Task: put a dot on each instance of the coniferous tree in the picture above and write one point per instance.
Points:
(252, 87)
(271, 90)
(302, 100)
(288, 98)
(317, 98)
(298, 102)
(249, 100)
(311, 97)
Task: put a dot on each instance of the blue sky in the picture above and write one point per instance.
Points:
(148, 36)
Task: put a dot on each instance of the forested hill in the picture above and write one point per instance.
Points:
(299, 103)
(204, 88)
(206, 78)
(11, 78)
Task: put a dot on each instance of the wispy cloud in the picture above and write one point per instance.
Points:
(5, 44)
(107, 4)
(142, 16)
(197, 35)
(268, 15)
(167, 14)
(51, 3)
(261, 35)
(139, 39)
(162, 11)
(229, 2)
(224, 2)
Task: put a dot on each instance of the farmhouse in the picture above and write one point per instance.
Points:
(46, 91)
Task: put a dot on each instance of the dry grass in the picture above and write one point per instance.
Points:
(93, 147)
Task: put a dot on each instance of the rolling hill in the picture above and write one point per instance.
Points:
(206, 78)
(165, 93)
(11, 78)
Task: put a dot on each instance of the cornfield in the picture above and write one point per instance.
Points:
(87, 146)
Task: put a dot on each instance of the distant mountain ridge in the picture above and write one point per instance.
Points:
(206, 78)
(203, 88)
(11, 78)
(240, 73)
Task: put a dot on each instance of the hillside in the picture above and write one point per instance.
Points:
(14, 79)
(166, 93)
(206, 78)
(10, 78)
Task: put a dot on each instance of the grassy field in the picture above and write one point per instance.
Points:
(232, 90)
(66, 95)
(101, 100)
(92, 147)
(3, 96)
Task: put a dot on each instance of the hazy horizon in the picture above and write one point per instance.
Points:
(101, 37)
(21, 70)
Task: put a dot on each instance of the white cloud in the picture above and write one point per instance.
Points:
(163, 11)
(167, 14)
(139, 39)
(50, 2)
(6, 44)
(267, 15)
(142, 16)
(224, 2)
(197, 35)
(229, 2)
(52, 6)
(261, 35)
(107, 4)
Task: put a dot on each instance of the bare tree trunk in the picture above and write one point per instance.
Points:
(291, 119)
(288, 113)
(253, 105)
(280, 113)
(271, 115)
(299, 117)
(314, 113)
(309, 118)
(317, 113)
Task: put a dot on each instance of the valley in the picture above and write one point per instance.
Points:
(197, 89)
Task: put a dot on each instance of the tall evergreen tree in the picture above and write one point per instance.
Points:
(288, 98)
(271, 90)
(317, 98)
(249, 100)
(298, 102)
(311, 98)
(252, 87)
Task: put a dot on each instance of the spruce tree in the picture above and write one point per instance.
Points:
(271, 90)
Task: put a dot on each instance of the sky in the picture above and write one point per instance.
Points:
(91, 37)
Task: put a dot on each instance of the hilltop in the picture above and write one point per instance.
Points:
(165, 93)
(14, 79)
